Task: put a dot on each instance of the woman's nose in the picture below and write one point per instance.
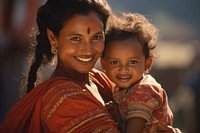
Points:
(87, 47)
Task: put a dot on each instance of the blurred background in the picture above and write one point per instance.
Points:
(177, 68)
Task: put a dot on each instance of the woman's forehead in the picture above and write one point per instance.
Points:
(84, 23)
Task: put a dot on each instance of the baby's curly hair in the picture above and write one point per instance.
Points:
(132, 25)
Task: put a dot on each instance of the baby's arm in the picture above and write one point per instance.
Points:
(141, 103)
(135, 125)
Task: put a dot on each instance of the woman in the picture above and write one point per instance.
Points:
(73, 99)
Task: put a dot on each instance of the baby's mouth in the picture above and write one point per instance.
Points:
(123, 77)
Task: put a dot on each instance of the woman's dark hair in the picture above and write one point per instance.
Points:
(53, 15)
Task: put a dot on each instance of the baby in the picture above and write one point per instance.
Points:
(127, 59)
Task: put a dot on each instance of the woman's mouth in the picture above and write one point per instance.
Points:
(84, 59)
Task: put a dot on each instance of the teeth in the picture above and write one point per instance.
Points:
(124, 77)
(84, 59)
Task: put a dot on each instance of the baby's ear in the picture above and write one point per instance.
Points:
(148, 63)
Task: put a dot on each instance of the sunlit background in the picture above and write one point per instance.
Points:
(177, 68)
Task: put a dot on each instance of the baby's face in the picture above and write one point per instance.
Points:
(124, 62)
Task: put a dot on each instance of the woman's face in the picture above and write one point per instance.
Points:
(80, 43)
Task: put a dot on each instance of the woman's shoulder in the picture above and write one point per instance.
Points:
(61, 92)
(57, 82)
(60, 85)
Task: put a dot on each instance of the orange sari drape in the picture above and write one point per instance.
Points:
(62, 105)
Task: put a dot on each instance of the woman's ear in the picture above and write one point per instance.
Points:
(52, 38)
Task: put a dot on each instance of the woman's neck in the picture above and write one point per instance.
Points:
(79, 77)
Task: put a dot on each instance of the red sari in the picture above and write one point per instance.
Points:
(62, 105)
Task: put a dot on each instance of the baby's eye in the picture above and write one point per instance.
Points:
(133, 62)
(75, 39)
(114, 62)
(97, 37)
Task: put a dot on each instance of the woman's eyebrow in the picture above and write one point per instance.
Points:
(75, 34)
(100, 32)
(79, 34)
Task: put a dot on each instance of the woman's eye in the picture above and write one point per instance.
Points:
(98, 37)
(133, 62)
(114, 62)
(75, 39)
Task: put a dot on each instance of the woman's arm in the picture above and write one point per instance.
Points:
(113, 109)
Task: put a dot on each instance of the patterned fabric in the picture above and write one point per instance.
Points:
(62, 105)
(146, 99)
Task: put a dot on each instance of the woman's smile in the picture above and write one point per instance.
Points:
(84, 59)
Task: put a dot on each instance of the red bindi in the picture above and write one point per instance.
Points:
(88, 30)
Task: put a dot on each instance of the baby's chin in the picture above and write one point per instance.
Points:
(121, 87)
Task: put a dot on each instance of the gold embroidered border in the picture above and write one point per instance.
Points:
(85, 121)
(111, 130)
(61, 84)
(60, 101)
(140, 111)
(89, 116)
(73, 90)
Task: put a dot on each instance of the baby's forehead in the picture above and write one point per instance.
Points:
(124, 42)
(130, 43)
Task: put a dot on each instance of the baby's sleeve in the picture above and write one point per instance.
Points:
(143, 100)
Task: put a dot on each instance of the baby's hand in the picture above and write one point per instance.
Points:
(167, 129)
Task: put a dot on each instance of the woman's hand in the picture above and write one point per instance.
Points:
(112, 108)
(161, 128)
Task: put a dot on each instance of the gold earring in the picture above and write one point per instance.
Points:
(54, 50)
